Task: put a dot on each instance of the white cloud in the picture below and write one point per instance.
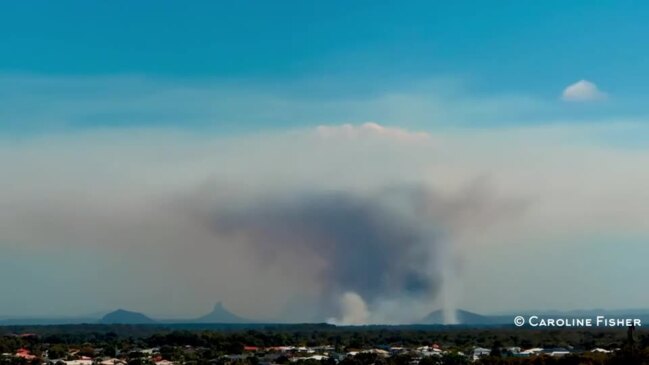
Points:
(370, 129)
(583, 90)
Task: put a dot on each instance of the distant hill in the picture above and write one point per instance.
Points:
(465, 318)
(220, 315)
(122, 316)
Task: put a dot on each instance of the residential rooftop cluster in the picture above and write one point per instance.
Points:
(317, 344)
(38, 352)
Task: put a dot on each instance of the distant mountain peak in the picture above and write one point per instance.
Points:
(220, 314)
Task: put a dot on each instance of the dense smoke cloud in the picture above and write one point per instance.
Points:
(365, 247)
(370, 247)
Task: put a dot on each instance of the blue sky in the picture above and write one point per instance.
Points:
(126, 126)
(325, 49)
(507, 44)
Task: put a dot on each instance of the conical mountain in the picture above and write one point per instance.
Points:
(221, 315)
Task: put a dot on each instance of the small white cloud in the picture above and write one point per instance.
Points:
(370, 129)
(583, 90)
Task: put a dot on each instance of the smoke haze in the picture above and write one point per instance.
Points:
(352, 225)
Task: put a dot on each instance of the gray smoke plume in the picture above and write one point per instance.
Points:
(378, 246)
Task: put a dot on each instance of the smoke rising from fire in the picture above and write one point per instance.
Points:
(363, 248)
